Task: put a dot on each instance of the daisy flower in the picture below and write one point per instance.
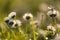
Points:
(19, 22)
(51, 28)
(7, 19)
(11, 22)
(12, 15)
(52, 12)
(27, 16)
(16, 23)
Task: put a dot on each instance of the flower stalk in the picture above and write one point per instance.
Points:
(33, 28)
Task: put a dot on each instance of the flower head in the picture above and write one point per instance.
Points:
(27, 16)
(51, 28)
(12, 15)
(6, 20)
(52, 12)
(11, 22)
(16, 23)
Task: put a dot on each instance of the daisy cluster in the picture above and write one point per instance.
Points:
(47, 34)
(9, 20)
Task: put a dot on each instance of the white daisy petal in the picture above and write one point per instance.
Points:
(49, 13)
(11, 22)
(49, 7)
(52, 12)
(13, 26)
(27, 16)
(51, 28)
(6, 19)
(12, 14)
(18, 22)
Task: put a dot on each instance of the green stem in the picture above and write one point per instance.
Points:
(33, 28)
(53, 21)
(26, 27)
(11, 32)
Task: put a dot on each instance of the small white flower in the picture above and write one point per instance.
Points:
(11, 22)
(27, 16)
(51, 28)
(6, 19)
(12, 15)
(52, 12)
(18, 22)
(13, 26)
